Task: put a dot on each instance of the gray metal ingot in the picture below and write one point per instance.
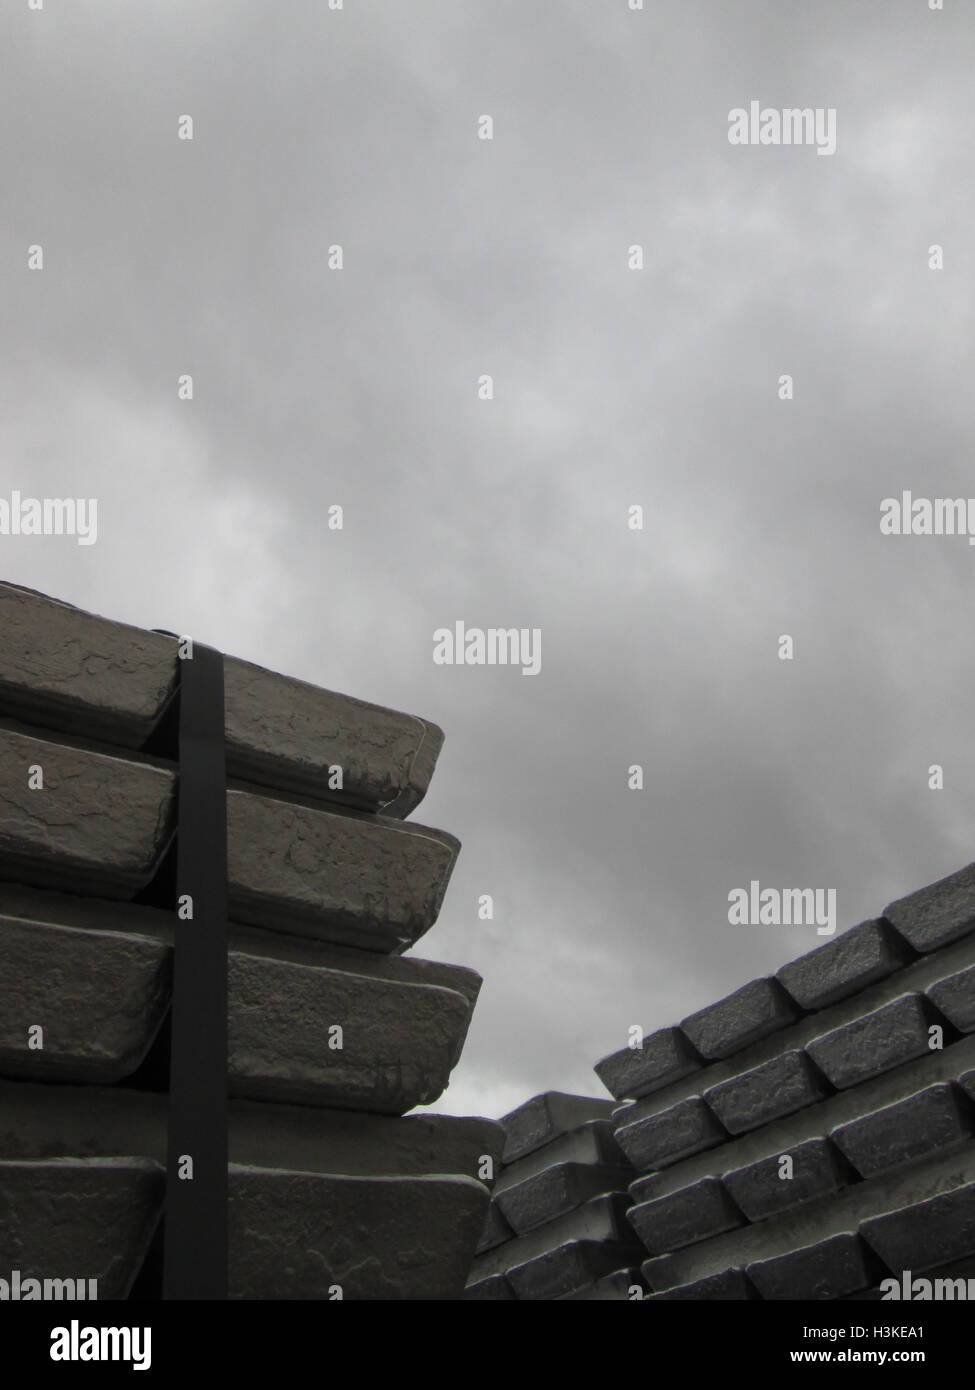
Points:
(93, 823)
(82, 1004)
(64, 669)
(74, 818)
(291, 1235)
(355, 880)
(78, 1219)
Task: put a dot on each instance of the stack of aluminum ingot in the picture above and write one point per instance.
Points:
(557, 1224)
(813, 1134)
(333, 1033)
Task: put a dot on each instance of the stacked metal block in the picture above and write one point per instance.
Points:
(813, 1134)
(334, 1033)
(557, 1221)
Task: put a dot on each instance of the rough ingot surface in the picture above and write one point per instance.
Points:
(46, 1121)
(70, 670)
(559, 1189)
(933, 1228)
(939, 1117)
(768, 1092)
(663, 1057)
(601, 1219)
(954, 997)
(404, 969)
(856, 1062)
(356, 880)
(299, 1235)
(730, 1285)
(593, 1142)
(286, 733)
(496, 1230)
(859, 958)
(751, 1013)
(917, 977)
(828, 1269)
(547, 1116)
(99, 823)
(878, 1041)
(81, 1219)
(65, 669)
(572, 1267)
(668, 1136)
(938, 914)
(910, 1190)
(761, 1188)
(36, 906)
(690, 1214)
(826, 1118)
(100, 997)
(398, 1040)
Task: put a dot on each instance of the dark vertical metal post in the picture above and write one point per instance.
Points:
(195, 1234)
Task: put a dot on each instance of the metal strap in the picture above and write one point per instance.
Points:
(195, 1233)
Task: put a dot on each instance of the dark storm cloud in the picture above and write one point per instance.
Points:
(613, 387)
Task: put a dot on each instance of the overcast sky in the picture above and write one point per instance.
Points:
(613, 387)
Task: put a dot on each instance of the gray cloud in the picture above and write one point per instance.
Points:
(612, 387)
